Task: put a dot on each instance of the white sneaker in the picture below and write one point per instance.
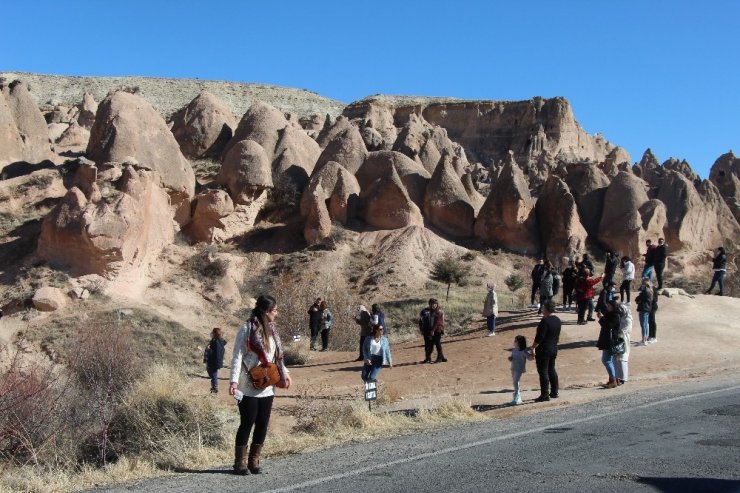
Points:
(652, 340)
(491, 334)
(642, 343)
(517, 400)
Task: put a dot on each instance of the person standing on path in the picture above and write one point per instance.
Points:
(570, 274)
(719, 265)
(586, 263)
(490, 309)
(652, 324)
(213, 357)
(314, 322)
(621, 361)
(364, 320)
(649, 256)
(432, 327)
(608, 336)
(377, 317)
(547, 283)
(660, 254)
(536, 275)
(610, 267)
(585, 294)
(257, 343)
(545, 350)
(327, 321)
(519, 356)
(377, 352)
(644, 302)
(628, 275)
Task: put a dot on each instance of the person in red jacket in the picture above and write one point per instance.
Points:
(585, 294)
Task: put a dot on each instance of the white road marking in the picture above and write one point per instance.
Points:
(375, 467)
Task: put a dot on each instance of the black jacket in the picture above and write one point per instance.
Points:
(214, 354)
(548, 335)
(660, 254)
(569, 278)
(719, 262)
(611, 265)
(644, 300)
(537, 272)
(609, 332)
(314, 317)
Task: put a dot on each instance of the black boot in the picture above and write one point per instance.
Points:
(253, 463)
(240, 460)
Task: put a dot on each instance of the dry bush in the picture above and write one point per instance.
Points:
(36, 409)
(296, 352)
(104, 364)
(159, 418)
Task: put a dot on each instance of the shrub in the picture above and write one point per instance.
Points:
(159, 417)
(449, 270)
(514, 283)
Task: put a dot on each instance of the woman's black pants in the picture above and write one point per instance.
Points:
(254, 411)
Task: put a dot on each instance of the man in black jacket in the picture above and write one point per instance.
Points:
(610, 267)
(537, 271)
(314, 322)
(545, 349)
(660, 254)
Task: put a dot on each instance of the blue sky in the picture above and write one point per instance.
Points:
(643, 73)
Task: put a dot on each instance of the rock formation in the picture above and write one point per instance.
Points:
(716, 207)
(126, 126)
(49, 299)
(211, 207)
(557, 217)
(29, 122)
(318, 222)
(246, 171)
(87, 110)
(295, 158)
(11, 144)
(379, 164)
(203, 127)
(347, 149)
(114, 227)
(476, 199)
(725, 174)
(386, 204)
(327, 177)
(344, 200)
(588, 185)
(261, 124)
(507, 218)
(74, 136)
(629, 217)
(446, 202)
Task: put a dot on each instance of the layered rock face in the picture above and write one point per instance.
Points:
(447, 203)
(106, 227)
(126, 126)
(386, 204)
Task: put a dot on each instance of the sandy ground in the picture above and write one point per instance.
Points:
(696, 337)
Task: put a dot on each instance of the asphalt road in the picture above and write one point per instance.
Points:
(677, 438)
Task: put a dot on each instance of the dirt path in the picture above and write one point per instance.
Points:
(696, 337)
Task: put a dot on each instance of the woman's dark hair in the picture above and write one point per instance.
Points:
(721, 249)
(322, 305)
(216, 333)
(614, 304)
(548, 265)
(626, 259)
(433, 301)
(521, 341)
(375, 307)
(264, 304)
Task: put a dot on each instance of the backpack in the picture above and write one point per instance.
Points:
(555, 284)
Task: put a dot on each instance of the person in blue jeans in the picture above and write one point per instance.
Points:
(608, 335)
(376, 352)
(213, 357)
(719, 266)
(644, 302)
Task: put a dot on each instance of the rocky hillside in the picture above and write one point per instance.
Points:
(169, 95)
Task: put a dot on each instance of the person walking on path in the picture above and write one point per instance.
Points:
(327, 321)
(536, 275)
(719, 265)
(585, 294)
(257, 343)
(570, 274)
(608, 336)
(377, 352)
(432, 327)
(545, 351)
(660, 254)
(628, 275)
(364, 320)
(547, 283)
(610, 267)
(519, 356)
(490, 309)
(621, 361)
(213, 357)
(644, 302)
(649, 256)
(377, 317)
(314, 322)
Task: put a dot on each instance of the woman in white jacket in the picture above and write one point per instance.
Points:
(257, 342)
(490, 309)
(628, 275)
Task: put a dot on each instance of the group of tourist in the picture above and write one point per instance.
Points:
(258, 345)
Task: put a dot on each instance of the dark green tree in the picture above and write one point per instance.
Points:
(450, 270)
